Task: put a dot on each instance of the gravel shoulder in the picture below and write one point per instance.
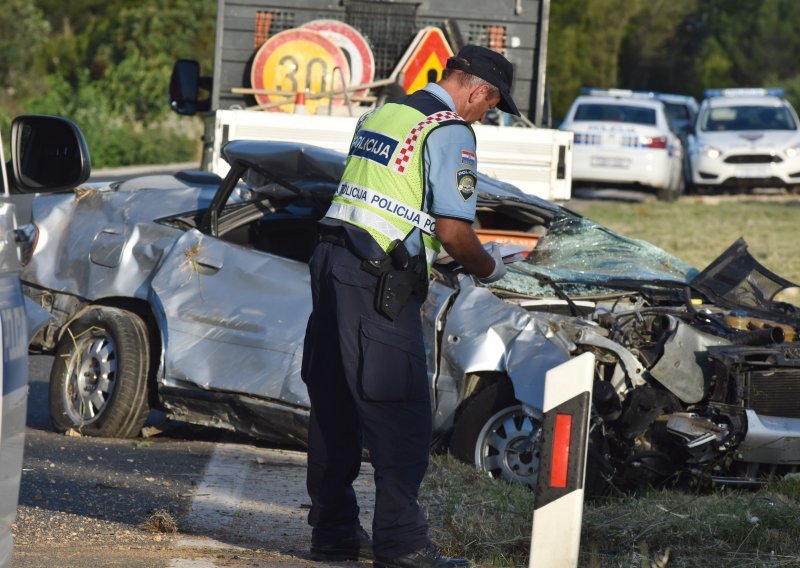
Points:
(232, 504)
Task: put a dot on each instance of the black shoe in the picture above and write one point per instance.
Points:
(428, 557)
(345, 550)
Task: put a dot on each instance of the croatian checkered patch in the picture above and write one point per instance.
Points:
(410, 145)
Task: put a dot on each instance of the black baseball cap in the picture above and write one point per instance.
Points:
(490, 66)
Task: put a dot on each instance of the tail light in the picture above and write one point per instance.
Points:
(655, 141)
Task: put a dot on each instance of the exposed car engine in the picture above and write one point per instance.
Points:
(714, 357)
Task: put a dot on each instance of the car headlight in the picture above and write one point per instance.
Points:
(710, 152)
(792, 152)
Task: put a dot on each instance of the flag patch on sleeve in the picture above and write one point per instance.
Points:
(468, 158)
(466, 183)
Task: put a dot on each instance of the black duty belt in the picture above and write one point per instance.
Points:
(334, 237)
(399, 274)
(375, 267)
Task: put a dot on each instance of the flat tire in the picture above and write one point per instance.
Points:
(98, 381)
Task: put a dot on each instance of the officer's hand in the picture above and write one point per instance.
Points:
(499, 267)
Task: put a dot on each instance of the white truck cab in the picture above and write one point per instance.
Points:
(536, 159)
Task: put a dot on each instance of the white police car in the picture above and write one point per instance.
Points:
(745, 138)
(624, 138)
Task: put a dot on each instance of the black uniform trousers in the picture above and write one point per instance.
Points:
(368, 385)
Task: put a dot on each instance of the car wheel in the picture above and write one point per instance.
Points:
(681, 189)
(494, 433)
(98, 382)
(673, 192)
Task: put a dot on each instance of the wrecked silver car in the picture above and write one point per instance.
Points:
(190, 293)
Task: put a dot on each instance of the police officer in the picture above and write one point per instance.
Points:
(408, 188)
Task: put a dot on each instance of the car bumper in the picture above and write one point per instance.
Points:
(770, 439)
(653, 168)
(718, 172)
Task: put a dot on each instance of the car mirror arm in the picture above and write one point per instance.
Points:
(209, 223)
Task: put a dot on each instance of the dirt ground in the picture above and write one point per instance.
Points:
(249, 509)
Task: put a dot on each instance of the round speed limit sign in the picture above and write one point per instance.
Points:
(297, 60)
(354, 46)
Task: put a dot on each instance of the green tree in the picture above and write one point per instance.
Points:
(747, 43)
(584, 47)
(24, 29)
(651, 57)
(133, 53)
(107, 66)
(681, 46)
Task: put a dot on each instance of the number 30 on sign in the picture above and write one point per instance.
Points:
(295, 61)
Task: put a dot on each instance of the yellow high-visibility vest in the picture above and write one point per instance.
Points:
(383, 188)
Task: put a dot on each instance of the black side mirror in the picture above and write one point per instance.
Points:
(48, 154)
(184, 88)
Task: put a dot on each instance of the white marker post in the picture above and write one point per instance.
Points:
(558, 504)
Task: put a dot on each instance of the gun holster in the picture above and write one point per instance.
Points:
(402, 277)
(394, 289)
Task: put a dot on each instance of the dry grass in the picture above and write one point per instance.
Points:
(490, 522)
(474, 516)
(160, 522)
(720, 529)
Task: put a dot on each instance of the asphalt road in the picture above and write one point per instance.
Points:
(111, 503)
(89, 494)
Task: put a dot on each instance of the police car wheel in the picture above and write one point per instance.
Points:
(98, 382)
(673, 192)
(494, 433)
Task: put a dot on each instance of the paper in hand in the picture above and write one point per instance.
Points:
(510, 253)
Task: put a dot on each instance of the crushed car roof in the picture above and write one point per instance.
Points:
(294, 161)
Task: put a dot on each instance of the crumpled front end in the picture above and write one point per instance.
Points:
(480, 334)
(695, 371)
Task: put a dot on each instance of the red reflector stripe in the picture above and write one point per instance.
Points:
(561, 439)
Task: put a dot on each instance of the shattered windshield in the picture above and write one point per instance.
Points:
(585, 259)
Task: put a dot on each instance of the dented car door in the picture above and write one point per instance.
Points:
(243, 309)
